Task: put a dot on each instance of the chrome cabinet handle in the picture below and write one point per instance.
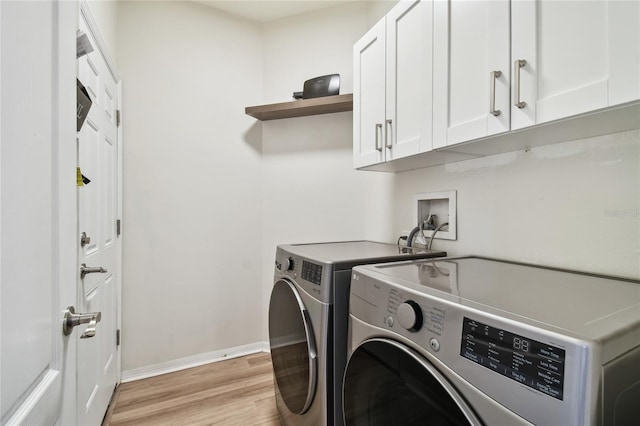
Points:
(71, 320)
(519, 63)
(492, 102)
(378, 127)
(387, 124)
(84, 270)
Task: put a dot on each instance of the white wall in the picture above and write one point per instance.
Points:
(377, 9)
(311, 192)
(209, 191)
(574, 205)
(192, 172)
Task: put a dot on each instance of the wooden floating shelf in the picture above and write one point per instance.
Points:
(301, 108)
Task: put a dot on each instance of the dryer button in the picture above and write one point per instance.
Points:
(390, 321)
(435, 345)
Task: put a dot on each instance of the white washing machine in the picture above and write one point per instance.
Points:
(477, 341)
(308, 320)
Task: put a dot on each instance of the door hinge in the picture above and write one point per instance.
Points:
(118, 118)
(118, 228)
(118, 337)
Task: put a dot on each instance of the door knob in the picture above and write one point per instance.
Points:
(71, 320)
(84, 239)
(84, 270)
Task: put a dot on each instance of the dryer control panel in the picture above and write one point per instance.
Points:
(311, 272)
(312, 277)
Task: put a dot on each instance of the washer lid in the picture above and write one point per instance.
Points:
(596, 307)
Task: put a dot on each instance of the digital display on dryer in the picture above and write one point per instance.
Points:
(311, 272)
(527, 361)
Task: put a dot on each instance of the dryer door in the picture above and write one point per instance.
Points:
(387, 383)
(293, 349)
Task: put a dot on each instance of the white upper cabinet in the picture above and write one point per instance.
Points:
(577, 57)
(480, 77)
(471, 94)
(392, 99)
(409, 79)
(369, 97)
(506, 65)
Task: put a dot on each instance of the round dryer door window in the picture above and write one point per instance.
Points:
(387, 383)
(293, 351)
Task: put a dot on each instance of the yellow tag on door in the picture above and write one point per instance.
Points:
(79, 181)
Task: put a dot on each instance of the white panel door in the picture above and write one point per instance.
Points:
(37, 211)
(580, 56)
(369, 97)
(408, 124)
(97, 213)
(471, 42)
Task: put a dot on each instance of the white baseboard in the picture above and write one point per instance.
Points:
(193, 361)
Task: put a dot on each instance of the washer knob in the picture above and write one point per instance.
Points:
(288, 264)
(410, 315)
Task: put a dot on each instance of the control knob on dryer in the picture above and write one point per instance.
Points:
(288, 264)
(410, 315)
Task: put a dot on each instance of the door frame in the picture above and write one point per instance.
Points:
(86, 14)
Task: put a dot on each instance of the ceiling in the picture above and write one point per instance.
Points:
(270, 10)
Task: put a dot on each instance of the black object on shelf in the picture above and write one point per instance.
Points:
(317, 87)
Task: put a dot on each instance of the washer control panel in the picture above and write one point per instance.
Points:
(535, 364)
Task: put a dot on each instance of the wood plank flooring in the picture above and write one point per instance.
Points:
(234, 392)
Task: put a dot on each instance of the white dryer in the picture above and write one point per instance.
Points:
(308, 320)
(477, 341)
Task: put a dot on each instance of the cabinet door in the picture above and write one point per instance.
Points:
(580, 56)
(471, 42)
(408, 125)
(368, 97)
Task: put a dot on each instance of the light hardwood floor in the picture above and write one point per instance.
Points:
(234, 392)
